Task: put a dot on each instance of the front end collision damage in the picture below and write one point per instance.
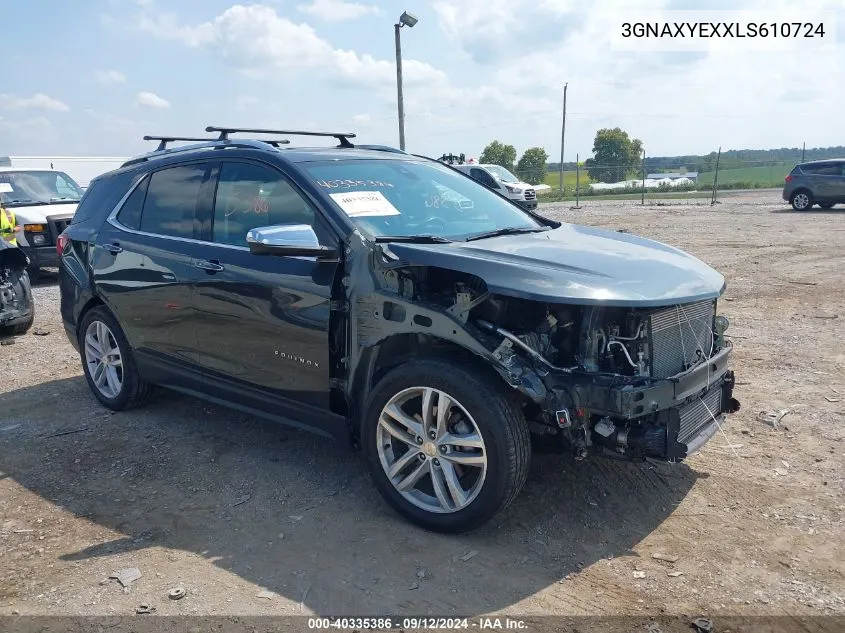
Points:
(395, 312)
(16, 304)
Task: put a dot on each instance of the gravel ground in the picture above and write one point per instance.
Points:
(251, 518)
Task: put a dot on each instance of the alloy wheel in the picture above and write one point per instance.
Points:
(431, 450)
(103, 359)
(801, 201)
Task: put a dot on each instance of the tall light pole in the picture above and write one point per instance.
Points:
(406, 19)
(562, 137)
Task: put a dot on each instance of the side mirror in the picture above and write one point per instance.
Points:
(287, 240)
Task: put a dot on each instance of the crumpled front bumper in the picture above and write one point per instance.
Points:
(664, 419)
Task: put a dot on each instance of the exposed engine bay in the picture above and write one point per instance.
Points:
(631, 382)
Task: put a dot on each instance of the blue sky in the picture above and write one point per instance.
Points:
(91, 78)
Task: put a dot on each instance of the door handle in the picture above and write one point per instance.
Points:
(114, 248)
(209, 265)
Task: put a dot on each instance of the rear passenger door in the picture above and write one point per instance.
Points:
(142, 266)
(263, 320)
(826, 179)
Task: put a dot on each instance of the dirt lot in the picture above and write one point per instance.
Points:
(251, 518)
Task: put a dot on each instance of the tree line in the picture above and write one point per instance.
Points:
(617, 157)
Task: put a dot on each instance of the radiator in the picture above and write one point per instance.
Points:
(680, 337)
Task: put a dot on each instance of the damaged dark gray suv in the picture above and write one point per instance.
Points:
(390, 300)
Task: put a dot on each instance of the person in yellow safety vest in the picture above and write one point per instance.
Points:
(8, 226)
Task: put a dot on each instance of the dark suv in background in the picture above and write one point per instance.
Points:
(820, 182)
(393, 301)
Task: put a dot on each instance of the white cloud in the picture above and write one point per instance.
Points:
(492, 30)
(151, 100)
(256, 40)
(38, 101)
(111, 77)
(338, 10)
(362, 119)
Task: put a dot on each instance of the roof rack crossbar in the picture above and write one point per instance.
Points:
(164, 140)
(342, 137)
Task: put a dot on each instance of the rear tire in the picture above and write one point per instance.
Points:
(474, 457)
(108, 362)
(801, 200)
(21, 288)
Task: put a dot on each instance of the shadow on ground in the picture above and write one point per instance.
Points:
(180, 474)
(814, 211)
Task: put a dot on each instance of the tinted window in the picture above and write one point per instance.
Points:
(100, 197)
(130, 213)
(249, 196)
(833, 169)
(171, 201)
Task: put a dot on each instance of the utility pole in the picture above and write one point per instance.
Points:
(406, 19)
(399, 87)
(562, 137)
(803, 148)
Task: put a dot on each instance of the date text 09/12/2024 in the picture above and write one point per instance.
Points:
(417, 624)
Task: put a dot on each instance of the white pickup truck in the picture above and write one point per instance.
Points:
(43, 201)
(504, 182)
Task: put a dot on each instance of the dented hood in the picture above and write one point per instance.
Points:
(575, 264)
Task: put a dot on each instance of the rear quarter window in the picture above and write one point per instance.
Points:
(101, 197)
(130, 213)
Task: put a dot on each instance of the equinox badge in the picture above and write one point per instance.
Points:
(297, 359)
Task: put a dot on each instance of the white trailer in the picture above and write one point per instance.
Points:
(83, 169)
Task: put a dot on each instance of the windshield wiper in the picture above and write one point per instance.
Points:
(509, 230)
(29, 203)
(425, 238)
(64, 199)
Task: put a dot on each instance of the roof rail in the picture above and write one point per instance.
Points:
(342, 137)
(382, 148)
(164, 140)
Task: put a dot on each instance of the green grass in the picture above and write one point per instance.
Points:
(769, 175)
(649, 196)
(553, 179)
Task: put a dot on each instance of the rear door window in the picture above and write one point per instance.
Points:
(171, 200)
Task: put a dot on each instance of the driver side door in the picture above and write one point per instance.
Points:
(263, 320)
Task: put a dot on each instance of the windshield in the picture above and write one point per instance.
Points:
(20, 188)
(501, 173)
(406, 198)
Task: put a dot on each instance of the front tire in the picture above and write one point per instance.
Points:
(802, 200)
(826, 205)
(108, 362)
(447, 448)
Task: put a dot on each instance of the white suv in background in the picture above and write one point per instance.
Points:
(43, 201)
(504, 182)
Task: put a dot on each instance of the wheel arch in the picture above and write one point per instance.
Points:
(378, 360)
(11, 257)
